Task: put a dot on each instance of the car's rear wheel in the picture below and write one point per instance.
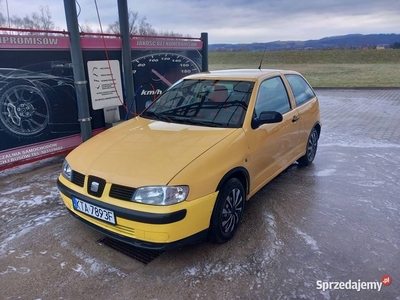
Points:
(228, 211)
(311, 150)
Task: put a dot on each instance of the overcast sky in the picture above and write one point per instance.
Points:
(237, 21)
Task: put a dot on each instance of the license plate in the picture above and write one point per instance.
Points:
(94, 211)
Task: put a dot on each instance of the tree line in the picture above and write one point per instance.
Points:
(37, 20)
(42, 20)
(395, 45)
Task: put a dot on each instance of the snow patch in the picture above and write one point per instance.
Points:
(371, 184)
(95, 265)
(327, 172)
(20, 270)
(27, 227)
(309, 240)
(14, 191)
(25, 254)
(79, 269)
(192, 271)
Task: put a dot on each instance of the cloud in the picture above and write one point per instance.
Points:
(241, 21)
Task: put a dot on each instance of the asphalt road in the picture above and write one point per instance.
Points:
(335, 221)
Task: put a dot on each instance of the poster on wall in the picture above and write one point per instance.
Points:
(105, 83)
(38, 105)
(161, 64)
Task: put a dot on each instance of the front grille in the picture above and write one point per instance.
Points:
(122, 192)
(95, 186)
(78, 178)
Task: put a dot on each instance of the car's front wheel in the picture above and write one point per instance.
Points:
(311, 150)
(228, 211)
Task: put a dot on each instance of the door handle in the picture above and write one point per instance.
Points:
(295, 118)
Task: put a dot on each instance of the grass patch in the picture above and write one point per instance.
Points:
(327, 68)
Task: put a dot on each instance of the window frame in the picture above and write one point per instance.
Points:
(290, 107)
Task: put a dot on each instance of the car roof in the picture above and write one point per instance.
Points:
(241, 74)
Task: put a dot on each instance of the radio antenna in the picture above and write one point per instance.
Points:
(259, 67)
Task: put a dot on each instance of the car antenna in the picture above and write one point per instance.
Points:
(259, 67)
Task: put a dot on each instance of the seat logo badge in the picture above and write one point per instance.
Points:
(94, 187)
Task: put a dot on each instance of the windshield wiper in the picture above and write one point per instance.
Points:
(157, 116)
(186, 120)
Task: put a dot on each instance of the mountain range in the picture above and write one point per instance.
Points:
(350, 41)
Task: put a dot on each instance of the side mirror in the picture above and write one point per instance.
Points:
(267, 117)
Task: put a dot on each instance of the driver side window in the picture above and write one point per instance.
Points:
(272, 96)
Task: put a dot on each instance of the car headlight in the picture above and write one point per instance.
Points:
(161, 195)
(66, 170)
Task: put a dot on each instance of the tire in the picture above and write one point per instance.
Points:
(24, 109)
(228, 212)
(311, 150)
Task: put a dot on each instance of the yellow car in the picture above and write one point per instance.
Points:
(183, 170)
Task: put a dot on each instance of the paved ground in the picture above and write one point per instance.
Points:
(337, 220)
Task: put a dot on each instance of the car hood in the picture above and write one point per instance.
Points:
(144, 152)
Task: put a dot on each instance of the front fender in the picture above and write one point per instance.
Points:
(205, 174)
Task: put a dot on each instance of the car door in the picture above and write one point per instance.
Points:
(307, 107)
(271, 145)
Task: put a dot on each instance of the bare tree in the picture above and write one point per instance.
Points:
(86, 28)
(173, 34)
(40, 21)
(169, 33)
(145, 28)
(133, 28)
(3, 20)
(18, 22)
(136, 26)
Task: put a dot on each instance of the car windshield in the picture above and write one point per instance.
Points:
(215, 103)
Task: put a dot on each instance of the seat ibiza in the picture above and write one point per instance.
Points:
(183, 169)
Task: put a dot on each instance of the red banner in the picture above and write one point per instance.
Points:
(92, 43)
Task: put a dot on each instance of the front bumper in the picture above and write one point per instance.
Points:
(151, 227)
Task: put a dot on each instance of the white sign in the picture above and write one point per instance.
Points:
(105, 84)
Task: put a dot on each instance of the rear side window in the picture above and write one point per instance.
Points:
(301, 90)
(272, 96)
